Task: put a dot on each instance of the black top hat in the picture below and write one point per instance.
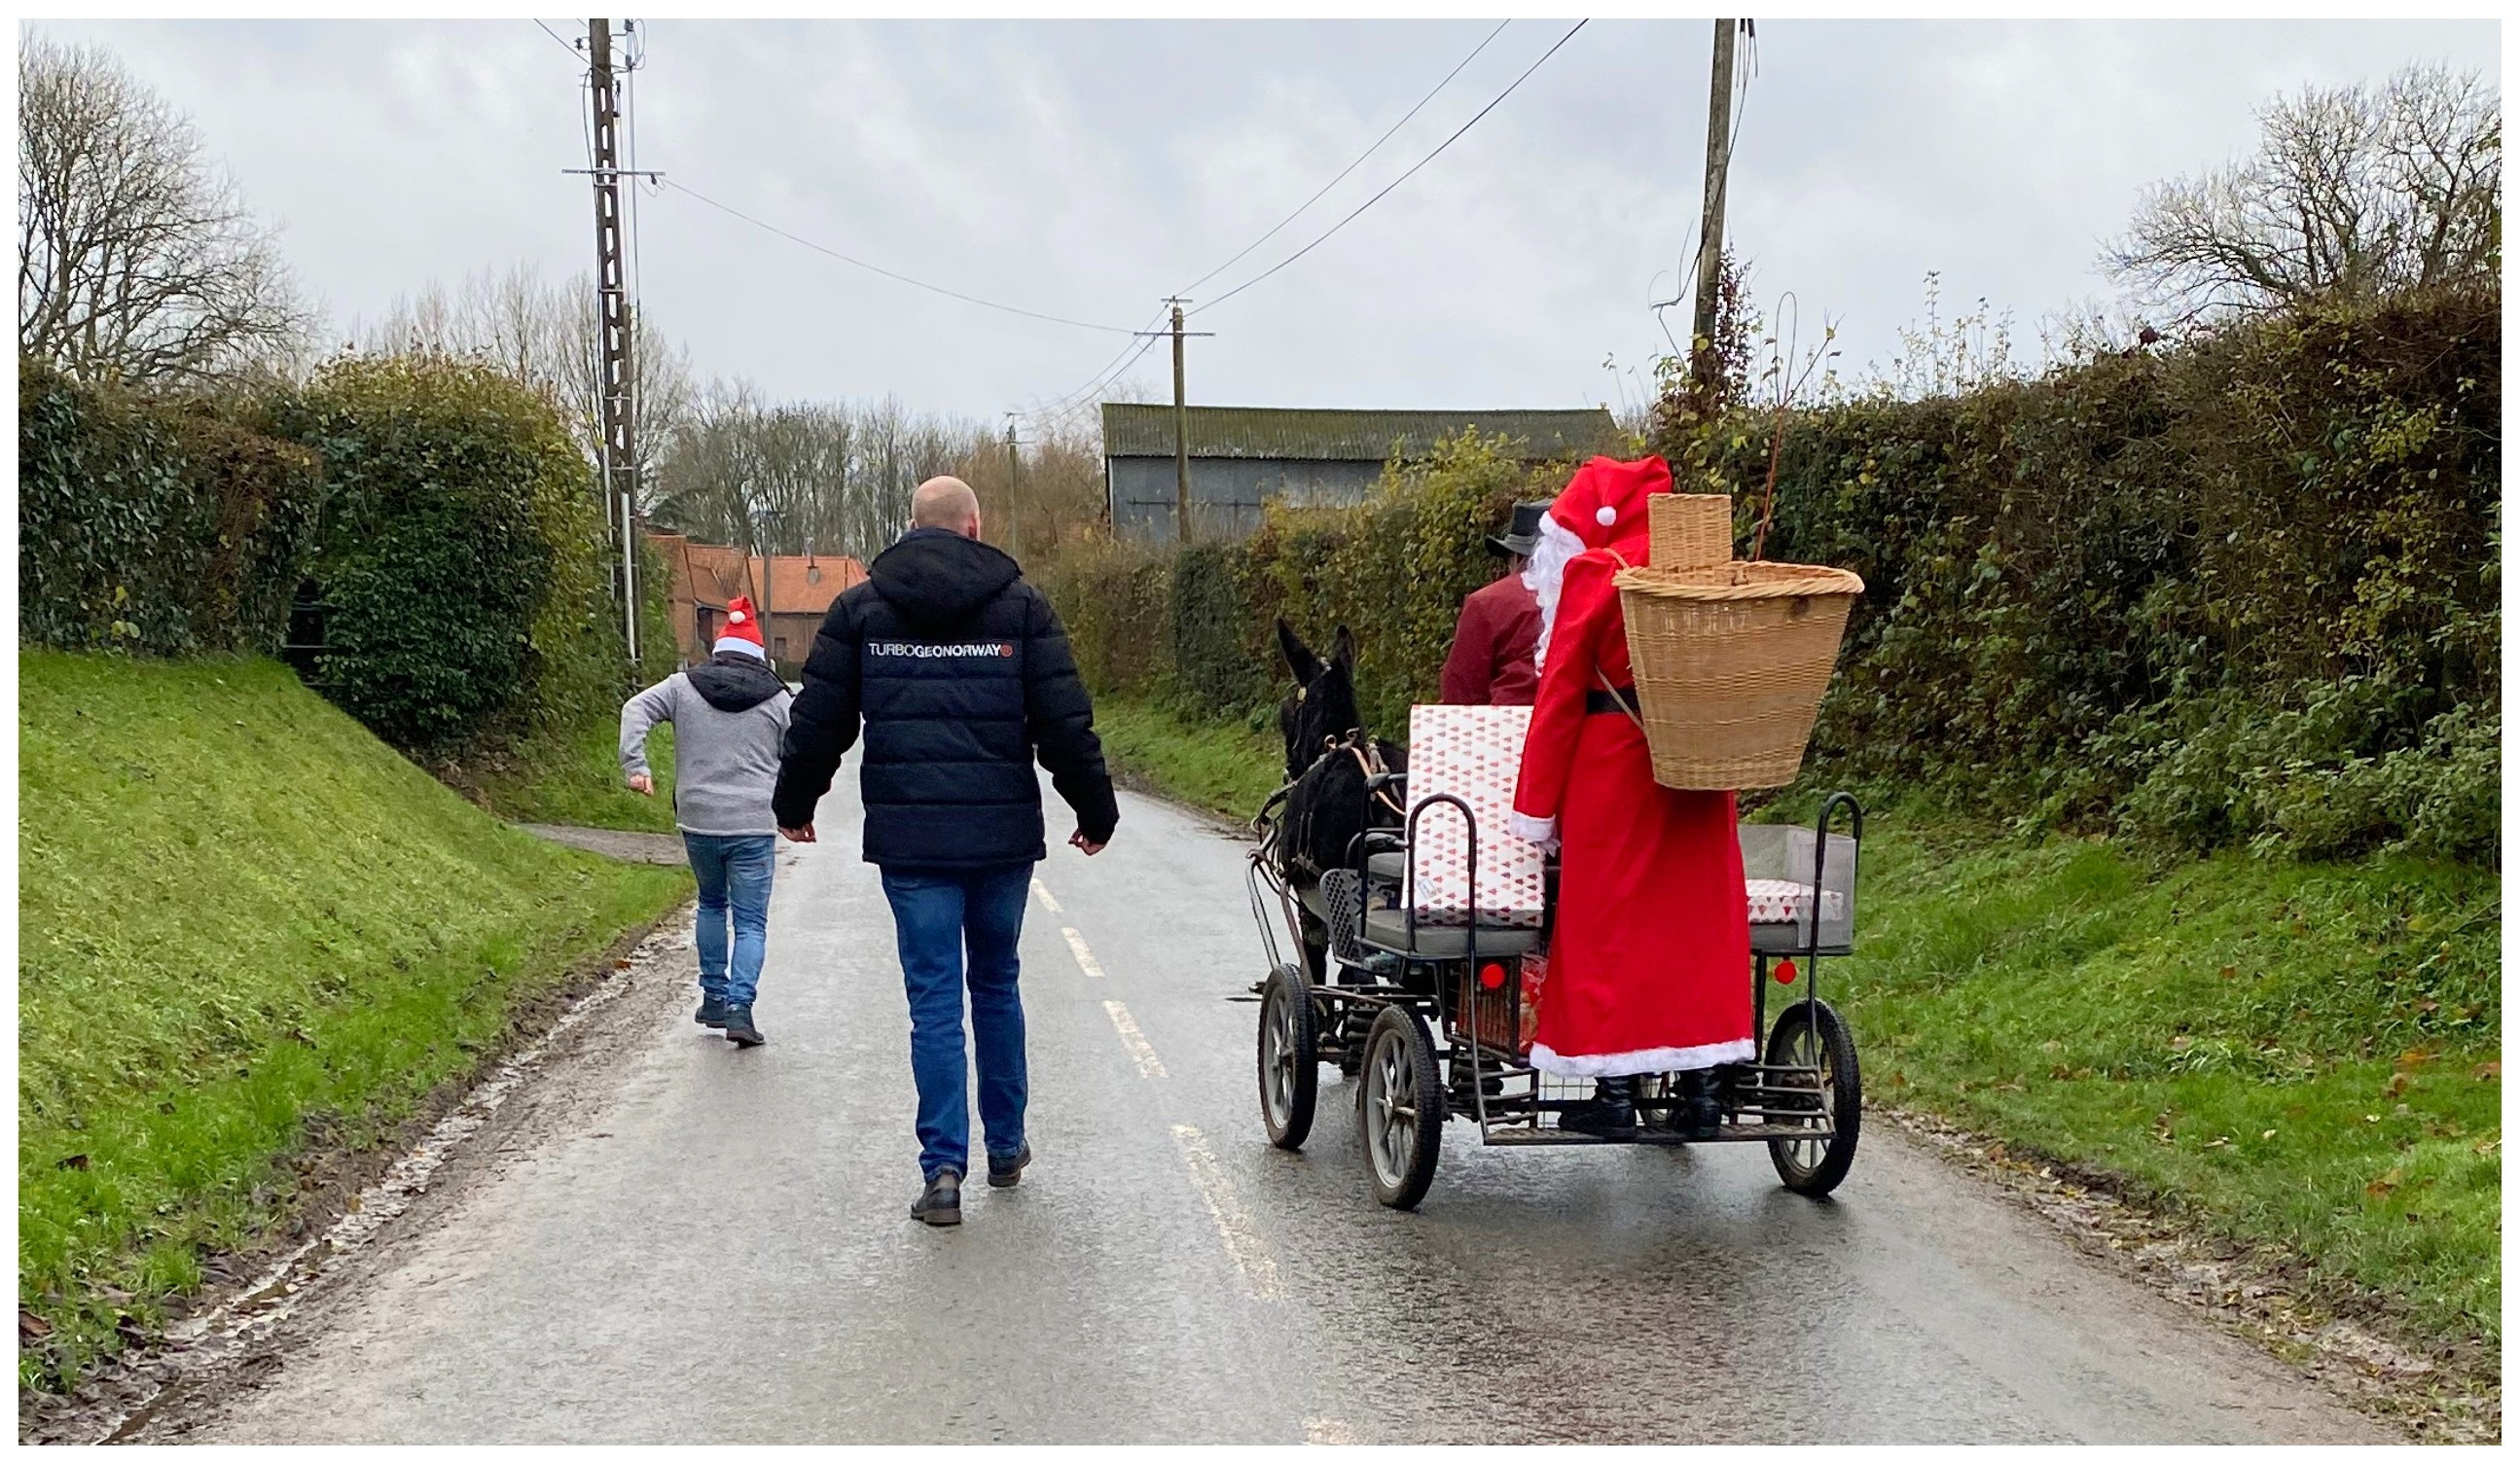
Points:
(1525, 536)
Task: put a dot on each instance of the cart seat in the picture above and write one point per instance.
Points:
(1391, 865)
(1389, 928)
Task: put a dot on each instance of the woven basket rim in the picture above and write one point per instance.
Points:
(1771, 581)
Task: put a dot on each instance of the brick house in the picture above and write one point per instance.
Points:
(705, 576)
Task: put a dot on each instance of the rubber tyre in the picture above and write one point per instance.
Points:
(1400, 1108)
(1804, 1030)
(1290, 1057)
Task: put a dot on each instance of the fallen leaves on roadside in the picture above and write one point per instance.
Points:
(2487, 1071)
(2385, 1184)
(31, 1328)
(73, 1162)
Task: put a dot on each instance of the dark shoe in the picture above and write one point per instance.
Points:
(713, 1012)
(1700, 1115)
(1006, 1173)
(1611, 1111)
(740, 1029)
(941, 1202)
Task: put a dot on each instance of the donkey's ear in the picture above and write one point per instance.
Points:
(1299, 656)
(1343, 648)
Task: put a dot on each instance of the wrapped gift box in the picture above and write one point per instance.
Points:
(1473, 754)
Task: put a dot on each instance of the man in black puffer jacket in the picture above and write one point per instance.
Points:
(961, 675)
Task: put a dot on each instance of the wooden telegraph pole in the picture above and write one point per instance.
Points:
(1014, 521)
(617, 407)
(1181, 421)
(1703, 364)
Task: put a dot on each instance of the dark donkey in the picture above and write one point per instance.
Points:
(1328, 761)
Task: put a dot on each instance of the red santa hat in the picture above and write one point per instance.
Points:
(1602, 506)
(743, 629)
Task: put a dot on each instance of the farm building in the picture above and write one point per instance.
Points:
(1242, 457)
(705, 576)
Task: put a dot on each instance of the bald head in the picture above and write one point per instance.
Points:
(946, 504)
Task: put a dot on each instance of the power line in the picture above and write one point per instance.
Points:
(1057, 319)
(560, 41)
(1353, 166)
(1403, 178)
(1117, 368)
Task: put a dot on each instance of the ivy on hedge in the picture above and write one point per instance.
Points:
(162, 526)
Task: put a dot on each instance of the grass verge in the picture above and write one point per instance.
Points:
(2299, 1057)
(251, 936)
(570, 777)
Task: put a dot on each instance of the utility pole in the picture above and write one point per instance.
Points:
(1181, 435)
(619, 465)
(1702, 361)
(1014, 521)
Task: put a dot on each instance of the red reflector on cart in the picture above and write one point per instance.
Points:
(1492, 976)
(1785, 972)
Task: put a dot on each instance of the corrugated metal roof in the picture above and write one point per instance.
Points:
(1133, 430)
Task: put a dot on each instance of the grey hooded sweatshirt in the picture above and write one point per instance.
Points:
(728, 716)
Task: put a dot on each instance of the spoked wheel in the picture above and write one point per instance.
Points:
(1290, 1057)
(1400, 1107)
(1809, 1034)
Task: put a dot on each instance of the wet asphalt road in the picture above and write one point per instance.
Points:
(715, 1247)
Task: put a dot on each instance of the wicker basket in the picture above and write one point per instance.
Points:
(1690, 530)
(1731, 662)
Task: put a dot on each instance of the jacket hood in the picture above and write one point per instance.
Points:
(733, 682)
(937, 577)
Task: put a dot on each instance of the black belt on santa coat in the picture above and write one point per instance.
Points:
(1624, 699)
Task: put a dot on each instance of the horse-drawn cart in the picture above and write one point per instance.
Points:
(1426, 1016)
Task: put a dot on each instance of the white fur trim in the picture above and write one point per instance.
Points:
(1605, 515)
(1547, 576)
(1531, 830)
(1642, 1059)
(737, 642)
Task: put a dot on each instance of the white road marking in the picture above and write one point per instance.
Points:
(1143, 1051)
(1085, 961)
(1234, 1223)
(1328, 1431)
(1041, 892)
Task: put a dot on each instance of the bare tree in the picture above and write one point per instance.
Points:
(2351, 193)
(545, 336)
(136, 259)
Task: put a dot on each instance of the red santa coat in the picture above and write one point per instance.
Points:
(1650, 964)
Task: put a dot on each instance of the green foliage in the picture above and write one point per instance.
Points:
(156, 525)
(461, 558)
(1227, 768)
(2194, 594)
(2303, 1055)
(251, 936)
(1195, 629)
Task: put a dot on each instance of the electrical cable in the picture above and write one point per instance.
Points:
(1057, 319)
(1403, 178)
(560, 41)
(1112, 370)
(1353, 166)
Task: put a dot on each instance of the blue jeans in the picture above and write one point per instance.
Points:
(938, 917)
(734, 871)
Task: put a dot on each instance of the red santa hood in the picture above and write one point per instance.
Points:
(1602, 506)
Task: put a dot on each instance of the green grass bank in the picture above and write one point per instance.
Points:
(2298, 1056)
(251, 939)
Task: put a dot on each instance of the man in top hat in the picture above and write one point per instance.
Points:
(1491, 661)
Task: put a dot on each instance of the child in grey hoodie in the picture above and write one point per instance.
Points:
(728, 716)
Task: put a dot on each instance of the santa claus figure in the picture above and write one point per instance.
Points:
(1649, 959)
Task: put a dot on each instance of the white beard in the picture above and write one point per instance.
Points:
(1546, 576)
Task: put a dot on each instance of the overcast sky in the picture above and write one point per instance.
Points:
(1085, 169)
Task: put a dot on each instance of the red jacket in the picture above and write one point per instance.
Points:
(1490, 664)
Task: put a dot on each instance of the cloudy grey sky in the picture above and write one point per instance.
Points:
(1085, 169)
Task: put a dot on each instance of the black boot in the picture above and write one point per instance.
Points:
(1610, 1112)
(739, 1027)
(941, 1202)
(713, 1012)
(1699, 1114)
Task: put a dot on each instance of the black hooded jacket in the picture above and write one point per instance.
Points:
(961, 675)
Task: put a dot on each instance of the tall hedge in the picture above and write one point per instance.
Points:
(166, 526)
(461, 559)
(2241, 590)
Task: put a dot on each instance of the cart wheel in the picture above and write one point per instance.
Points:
(1809, 1034)
(1400, 1107)
(1290, 1057)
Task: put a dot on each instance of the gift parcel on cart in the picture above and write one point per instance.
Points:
(1622, 994)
